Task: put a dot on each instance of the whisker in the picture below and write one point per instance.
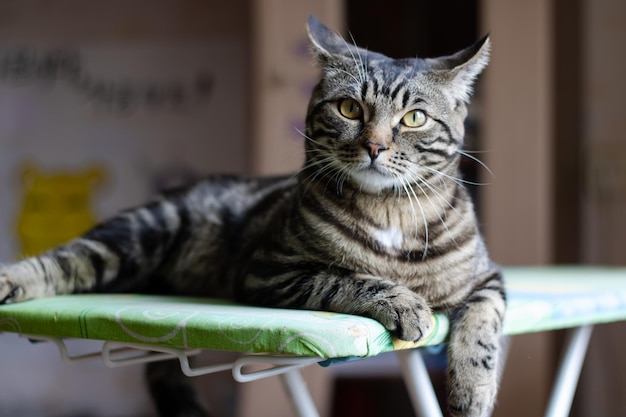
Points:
(415, 177)
(404, 188)
(457, 180)
(312, 164)
(344, 174)
(304, 135)
(420, 182)
(326, 168)
(419, 204)
(349, 74)
(360, 65)
(415, 63)
(471, 151)
(473, 158)
(441, 219)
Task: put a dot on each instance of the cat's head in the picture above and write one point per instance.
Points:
(381, 123)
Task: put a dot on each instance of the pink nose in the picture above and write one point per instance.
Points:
(373, 149)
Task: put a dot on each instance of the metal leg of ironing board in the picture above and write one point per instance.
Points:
(418, 384)
(299, 393)
(569, 370)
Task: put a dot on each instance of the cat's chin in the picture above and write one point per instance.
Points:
(372, 181)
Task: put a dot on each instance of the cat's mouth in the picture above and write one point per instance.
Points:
(375, 167)
(373, 177)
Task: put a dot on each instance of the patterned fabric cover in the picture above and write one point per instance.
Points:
(538, 299)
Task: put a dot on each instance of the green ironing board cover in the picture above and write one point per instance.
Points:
(538, 299)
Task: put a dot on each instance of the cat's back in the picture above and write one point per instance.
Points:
(232, 197)
(218, 221)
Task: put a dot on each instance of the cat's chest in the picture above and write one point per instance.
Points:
(382, 251)
(376, 235)
(390, 238)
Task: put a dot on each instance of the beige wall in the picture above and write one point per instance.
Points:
(603, 123)
(516, 131)
(604, 131)
(76, 21)
(516, 127)
(283, 77)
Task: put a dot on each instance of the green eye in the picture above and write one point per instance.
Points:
(350, 109)
(414, 118)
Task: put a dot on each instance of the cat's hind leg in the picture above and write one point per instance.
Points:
(24, 280)
(173, 393)
(118, 254)
(80, 266)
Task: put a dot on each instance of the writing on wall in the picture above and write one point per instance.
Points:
(67, 68)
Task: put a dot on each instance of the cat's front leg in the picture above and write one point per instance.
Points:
(402, 311)
(474, 350)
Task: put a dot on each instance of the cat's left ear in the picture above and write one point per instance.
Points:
(460, 70)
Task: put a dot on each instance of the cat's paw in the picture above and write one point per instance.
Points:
(20, 281)
(473, 380)
(404, 313)
(471, 399)
(10, 292)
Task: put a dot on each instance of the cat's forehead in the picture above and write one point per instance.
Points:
(379, 61)
(371, 75)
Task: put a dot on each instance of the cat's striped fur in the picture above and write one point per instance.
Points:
(376, 223)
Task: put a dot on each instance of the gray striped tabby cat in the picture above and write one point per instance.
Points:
(376, 223)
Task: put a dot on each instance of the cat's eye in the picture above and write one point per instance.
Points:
(414, 118)
(350, 109)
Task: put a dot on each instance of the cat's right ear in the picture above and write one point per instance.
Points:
(325, 43)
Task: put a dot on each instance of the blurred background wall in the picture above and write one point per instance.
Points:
(103, 103)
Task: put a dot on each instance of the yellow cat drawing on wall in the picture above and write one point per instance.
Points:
(56, 207)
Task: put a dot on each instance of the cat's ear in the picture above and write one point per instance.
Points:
(460, 70)
(325, 43)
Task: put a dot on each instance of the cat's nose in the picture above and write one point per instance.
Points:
(374, 149)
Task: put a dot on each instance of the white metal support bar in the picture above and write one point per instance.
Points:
(571, 364)
(131, 354)
(117, 354)
(415, 374)
(418, 384)
(299, 393)
(63, 350)
(279, 365)
(148, 353)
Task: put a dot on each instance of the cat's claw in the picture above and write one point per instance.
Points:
(404, 313)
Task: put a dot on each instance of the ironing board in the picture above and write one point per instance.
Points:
(136, 328)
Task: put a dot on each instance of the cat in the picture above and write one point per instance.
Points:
(376, 223)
